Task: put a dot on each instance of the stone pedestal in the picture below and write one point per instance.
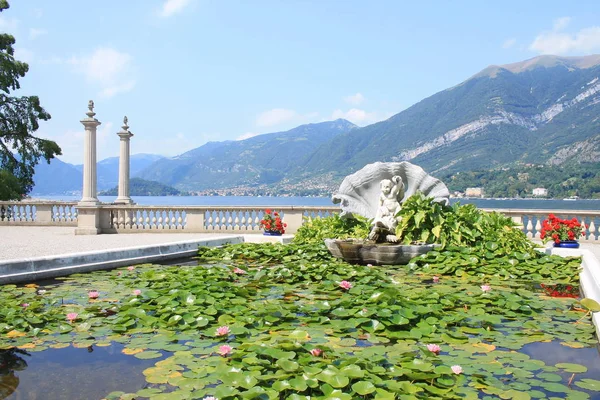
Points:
(125, 135)
(88, 220)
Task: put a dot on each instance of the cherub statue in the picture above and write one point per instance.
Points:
(385, 222)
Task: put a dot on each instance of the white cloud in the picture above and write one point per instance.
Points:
(34, 33)
(360, 117)
(508, 43)
(108, 68)
(8, 24)
(247, 135)
(556, 41)
(24, 55)
(171, 7)
(561, 23)
(121, 88)
(586, 41)
(275, 116)
(354, 99)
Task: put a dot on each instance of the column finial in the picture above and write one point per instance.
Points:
(125, 121)
(91, 112)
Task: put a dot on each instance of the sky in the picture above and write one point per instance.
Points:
(186, 72)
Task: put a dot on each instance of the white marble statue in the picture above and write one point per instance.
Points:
(378, 190)
(386, 219)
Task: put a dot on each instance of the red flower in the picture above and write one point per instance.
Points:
(558, 230)
(272, 222)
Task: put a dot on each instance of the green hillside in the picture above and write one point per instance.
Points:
(142, 187)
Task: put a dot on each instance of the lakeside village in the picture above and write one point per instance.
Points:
(522, 181)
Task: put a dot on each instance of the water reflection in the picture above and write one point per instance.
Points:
(11, 360)
(70, 373)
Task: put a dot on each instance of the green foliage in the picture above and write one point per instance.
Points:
(570, 179)
(315, 230)
(142, 187)
(18, 120)
(425, 221)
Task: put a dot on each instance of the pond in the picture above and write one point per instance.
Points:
(273, 325)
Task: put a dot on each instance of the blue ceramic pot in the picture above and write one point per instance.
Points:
(272, 233)
(568, 244)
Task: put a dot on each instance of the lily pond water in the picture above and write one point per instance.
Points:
(266, 323)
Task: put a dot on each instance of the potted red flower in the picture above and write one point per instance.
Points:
(272, 223)
(563, 232)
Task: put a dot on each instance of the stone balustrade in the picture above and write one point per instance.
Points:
(38, 213)
(230, 219)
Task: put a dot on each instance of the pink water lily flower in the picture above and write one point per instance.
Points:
(345, 285)
(93, 294)
(225, 350)
(239, 271)
(137, 292)
(25, 305)
(316, 352)
(436, 279)
(434, 348)
(131, 268)
(457, 369)
(222, 330)
(486, 288)
(369, 265)
(72, 316)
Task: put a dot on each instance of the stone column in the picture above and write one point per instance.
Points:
(125, 135)
(90, 195)
(88, 208)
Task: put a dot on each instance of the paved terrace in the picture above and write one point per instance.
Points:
(19, 242)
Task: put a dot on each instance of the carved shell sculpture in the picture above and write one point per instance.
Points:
(359, 192)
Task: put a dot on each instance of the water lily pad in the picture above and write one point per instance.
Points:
(568, 367)
(147, 355)
(589, 384)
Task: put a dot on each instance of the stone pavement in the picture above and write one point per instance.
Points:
(18, 242)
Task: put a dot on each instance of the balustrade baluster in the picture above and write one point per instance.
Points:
(529, 227)
(592, 231)
(538, 227)
(210, 221)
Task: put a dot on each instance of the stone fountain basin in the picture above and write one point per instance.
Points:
(359, 252)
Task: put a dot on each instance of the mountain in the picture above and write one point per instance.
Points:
(60, 177)
(540, 110)
(263, 159)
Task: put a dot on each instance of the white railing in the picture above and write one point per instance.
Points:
(38, 213)
(215, 219)
(232, 219)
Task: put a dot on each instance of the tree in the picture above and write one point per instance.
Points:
(20, 151)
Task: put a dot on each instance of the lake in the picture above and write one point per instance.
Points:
(529, 204)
